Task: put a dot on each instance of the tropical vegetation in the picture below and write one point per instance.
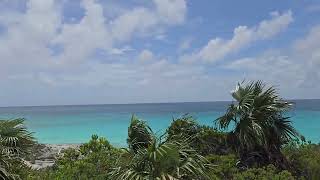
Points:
(254, 139)
(260, 127)
(15, 142)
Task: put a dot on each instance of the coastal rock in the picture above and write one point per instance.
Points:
(45, 155)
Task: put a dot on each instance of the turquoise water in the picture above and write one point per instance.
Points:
(76, 124)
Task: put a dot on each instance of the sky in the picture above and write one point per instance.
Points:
(58, 52)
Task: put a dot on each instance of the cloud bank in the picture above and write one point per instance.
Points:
(104, 56)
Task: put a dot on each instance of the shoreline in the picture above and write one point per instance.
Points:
(45, 155)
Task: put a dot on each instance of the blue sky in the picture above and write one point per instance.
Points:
(112, 51)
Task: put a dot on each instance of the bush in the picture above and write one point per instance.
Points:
(205, 140)
(224, 166)
(211, 141)
(304, 159)
(189, 151)
(266, 173)
(185, 126)
(93, 161)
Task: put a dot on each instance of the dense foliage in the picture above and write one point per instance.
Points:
(139, 134)
(159, 159)
(260, 128)
(92, 161)
(15, 142)
(268, 172)
(206, 140)
(258, 143)
(304, 159)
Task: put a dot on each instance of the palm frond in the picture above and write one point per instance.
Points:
(259, 119)
(15, 140)
(168, 159)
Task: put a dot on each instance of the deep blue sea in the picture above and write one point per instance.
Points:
(76, 124)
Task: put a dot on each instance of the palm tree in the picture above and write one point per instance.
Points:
(15, 141)
(258, 122)
(160, 160)
(139, 134)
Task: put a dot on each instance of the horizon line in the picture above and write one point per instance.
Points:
(101, 104)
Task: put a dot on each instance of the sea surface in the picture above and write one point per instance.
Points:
(76, 124)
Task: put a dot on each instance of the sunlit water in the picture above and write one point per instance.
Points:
(76, 124)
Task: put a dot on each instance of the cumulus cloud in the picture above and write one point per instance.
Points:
(24, 44)
(296, 68)
(243, 36)
(307, 53)
(279, 67)
(140, 20)
(37, 46)
(97, 58)
(171, 11)
(310, 43)
(81, 39)
(40, 36)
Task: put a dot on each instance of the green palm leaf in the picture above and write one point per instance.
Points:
(258, 116)
(168, 159)
(15, 140)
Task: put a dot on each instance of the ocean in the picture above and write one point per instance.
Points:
(76, 123)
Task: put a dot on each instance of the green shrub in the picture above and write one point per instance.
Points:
(304, 159)
(211, 141)
(224, 166)
(266, 173)
(204, 139)
(189, 151)
(184, 126)
(92, 161)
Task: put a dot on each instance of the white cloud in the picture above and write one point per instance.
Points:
(243, 36)
(25, 43)
(33, 36)
(310, 42)
(80, 40)
(52, 57)
(296, 68)
(120, 51)
(171, 11)
(277, 24)
(140, 20)
(307, 53)
(40, 50)
(145, 56)
(277, 66)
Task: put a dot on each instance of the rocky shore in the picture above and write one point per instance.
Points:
(45, 155)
